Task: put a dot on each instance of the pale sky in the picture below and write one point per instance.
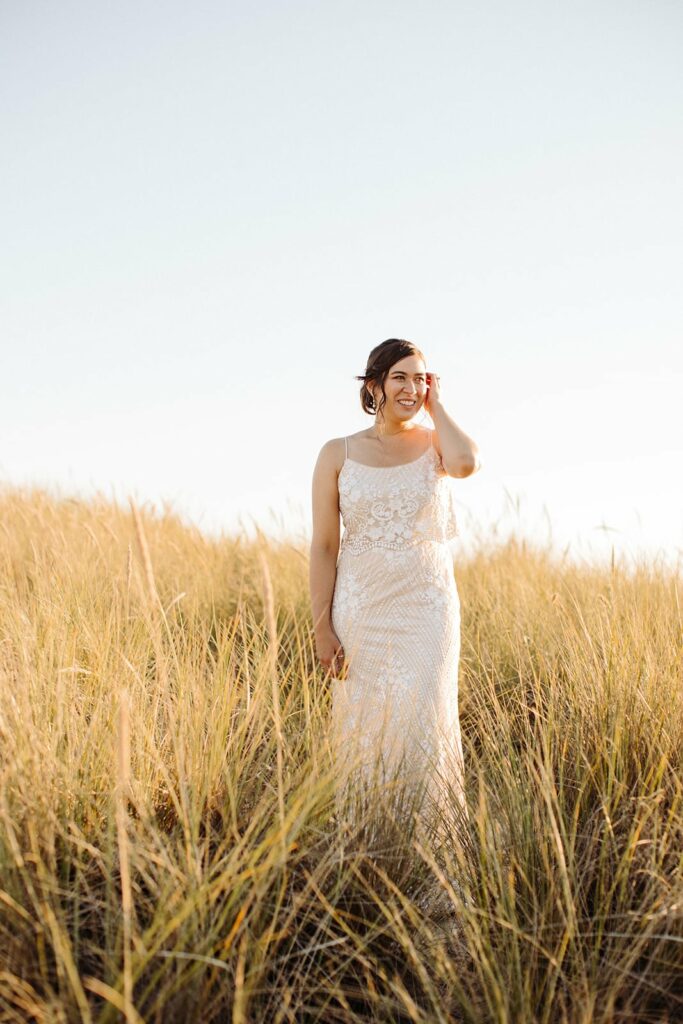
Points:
(211, 213)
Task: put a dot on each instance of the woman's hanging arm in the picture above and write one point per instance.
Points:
(325, 538)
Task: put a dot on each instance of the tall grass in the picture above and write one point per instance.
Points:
(170, 845)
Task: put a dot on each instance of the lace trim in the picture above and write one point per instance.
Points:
(415, 506)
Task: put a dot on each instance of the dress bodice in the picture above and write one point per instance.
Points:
(396, 506)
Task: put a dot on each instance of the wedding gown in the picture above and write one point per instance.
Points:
(396, 612)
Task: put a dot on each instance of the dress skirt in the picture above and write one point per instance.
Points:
(395, 716)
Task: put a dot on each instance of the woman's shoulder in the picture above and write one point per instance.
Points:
(339, 443)
(333, 453)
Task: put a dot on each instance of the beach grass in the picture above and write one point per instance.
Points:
(170, 845)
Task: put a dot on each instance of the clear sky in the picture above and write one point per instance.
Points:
(211, 212)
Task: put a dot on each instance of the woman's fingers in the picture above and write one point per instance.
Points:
(332, 660)
(336, 660)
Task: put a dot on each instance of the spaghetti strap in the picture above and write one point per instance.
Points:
(346, 445)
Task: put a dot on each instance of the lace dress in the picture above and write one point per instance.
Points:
(396, 611)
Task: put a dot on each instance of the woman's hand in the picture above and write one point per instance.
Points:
(433, 392)
(330, 651)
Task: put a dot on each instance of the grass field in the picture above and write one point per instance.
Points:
(169, 847)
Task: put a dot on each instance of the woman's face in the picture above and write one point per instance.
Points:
(405, 383)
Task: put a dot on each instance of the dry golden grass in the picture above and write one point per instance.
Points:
(169, 848)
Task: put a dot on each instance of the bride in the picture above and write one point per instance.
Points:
(386, 609)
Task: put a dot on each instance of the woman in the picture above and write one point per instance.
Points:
(385, 605)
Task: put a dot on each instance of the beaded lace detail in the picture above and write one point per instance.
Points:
(396, 507)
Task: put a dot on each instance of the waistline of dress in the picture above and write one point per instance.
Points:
(353, 549)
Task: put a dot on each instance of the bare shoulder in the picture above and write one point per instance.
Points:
(331, 455)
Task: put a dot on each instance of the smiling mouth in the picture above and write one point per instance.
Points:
(406, 401)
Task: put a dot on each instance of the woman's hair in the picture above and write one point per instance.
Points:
(380, 361)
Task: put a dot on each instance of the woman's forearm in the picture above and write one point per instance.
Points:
(323, 573)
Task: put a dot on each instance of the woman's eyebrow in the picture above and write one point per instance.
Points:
(402, 373)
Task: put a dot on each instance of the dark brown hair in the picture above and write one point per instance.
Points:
(380, 361)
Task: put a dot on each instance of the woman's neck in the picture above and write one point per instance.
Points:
(383, 429)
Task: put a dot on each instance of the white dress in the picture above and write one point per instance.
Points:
(396, 612)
